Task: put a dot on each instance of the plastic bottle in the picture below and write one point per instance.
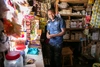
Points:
(72, 25)
(26, 49)
(21, 49)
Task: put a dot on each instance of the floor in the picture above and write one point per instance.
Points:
(78, 60)
(76, 63)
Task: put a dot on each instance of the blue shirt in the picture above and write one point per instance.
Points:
(54, 27)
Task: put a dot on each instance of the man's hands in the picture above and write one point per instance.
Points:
(50, 35)
(56, 35)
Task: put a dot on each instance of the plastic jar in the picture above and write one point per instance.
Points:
(21, 49)
(13, 59)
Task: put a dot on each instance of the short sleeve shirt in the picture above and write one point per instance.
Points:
(54, 27)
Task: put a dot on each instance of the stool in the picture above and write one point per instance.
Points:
(66, 51)
(96, 65)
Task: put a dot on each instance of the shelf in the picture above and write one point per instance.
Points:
(94, 28)
(95, 40)
(74, 28)
(74, 1)
(72, 41)
(72, 15)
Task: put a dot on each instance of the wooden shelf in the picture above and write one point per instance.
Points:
(71, 40)
(72, 15)
(94, 28)
(74, 1)
(74, 28)
(95, 40)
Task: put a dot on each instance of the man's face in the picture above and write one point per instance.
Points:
(51, 15)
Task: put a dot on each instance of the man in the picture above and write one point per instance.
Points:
(55, 31)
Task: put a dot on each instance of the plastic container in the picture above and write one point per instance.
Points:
(13, 59)
(26, 49)
(21, 49)
(72, 24)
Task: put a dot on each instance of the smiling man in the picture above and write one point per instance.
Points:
(56, 28)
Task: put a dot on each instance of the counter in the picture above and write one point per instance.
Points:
(38, 58)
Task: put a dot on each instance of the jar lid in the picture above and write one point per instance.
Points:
(12, 55)
(20, 47)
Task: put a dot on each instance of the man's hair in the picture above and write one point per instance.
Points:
(52, 10)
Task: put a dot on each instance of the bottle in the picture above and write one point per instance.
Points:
(26, 49)
(21, 48)
(72, 25)
(83, 12)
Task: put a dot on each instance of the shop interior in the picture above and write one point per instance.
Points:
(23, 27)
